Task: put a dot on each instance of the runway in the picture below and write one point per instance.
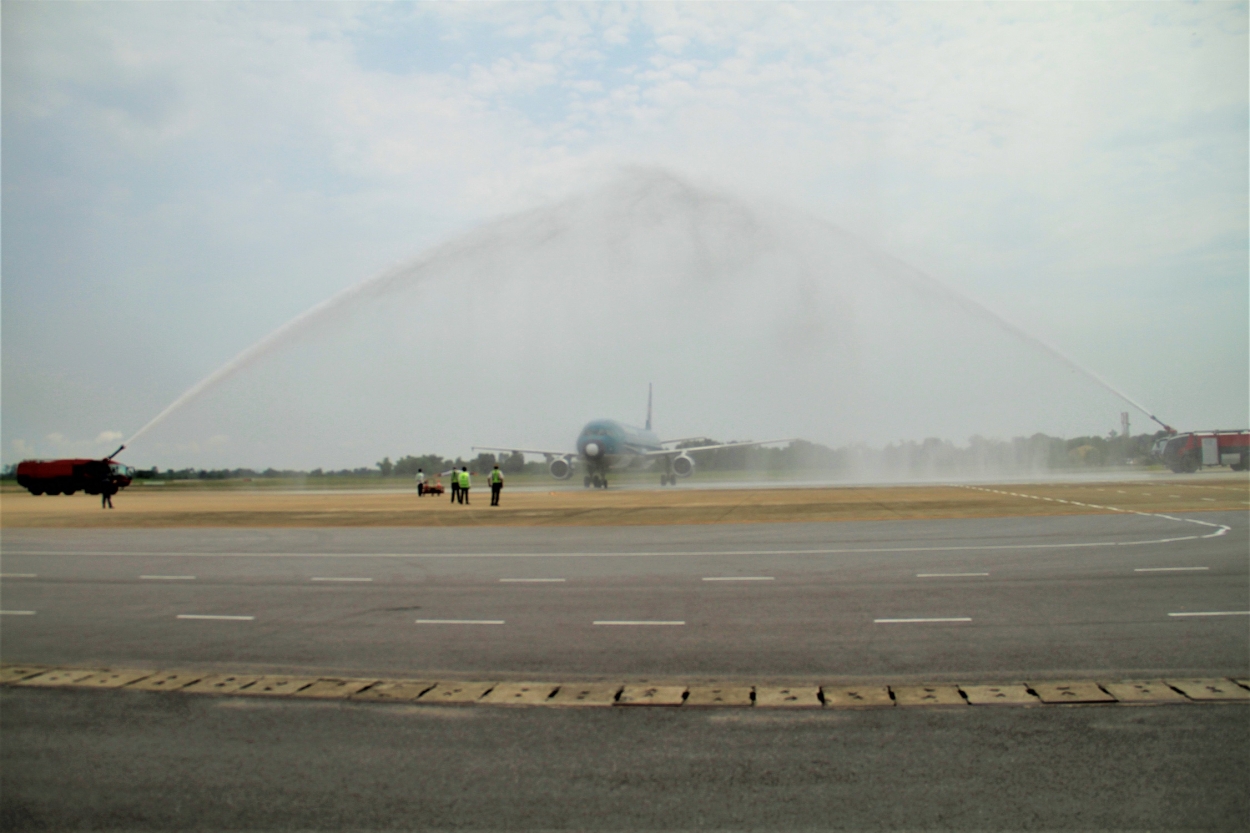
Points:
(1124, 595)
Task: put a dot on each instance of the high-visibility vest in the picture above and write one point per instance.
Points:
(496, 476)
(464, 480)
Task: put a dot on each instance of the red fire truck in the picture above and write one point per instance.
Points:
(64, 477)
(1190, 452)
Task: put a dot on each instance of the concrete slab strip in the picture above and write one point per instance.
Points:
(1143, 691)
(1071, 692)
(519, 694)
(58, 677)
(719, 696)
(652, 695)
(593, 694)
(999, 695)
(329, 689)
(276, 686)
(13, 673)
(456, 693)
(393, 691)
(928, 695)
(114, 679)
(1214, 690)
(166, 681)
(222, 684)
(857, 697)
(790, 697)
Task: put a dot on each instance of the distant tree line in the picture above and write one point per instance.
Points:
(930, 457)
(935, 456)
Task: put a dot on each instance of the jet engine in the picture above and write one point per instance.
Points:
(560, 468)
(683, 466)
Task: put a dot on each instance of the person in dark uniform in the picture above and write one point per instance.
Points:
(455, 485)
(107, 490)
(496, 485)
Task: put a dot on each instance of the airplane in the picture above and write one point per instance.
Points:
(605, 444)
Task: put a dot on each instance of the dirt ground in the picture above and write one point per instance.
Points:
(150, 507)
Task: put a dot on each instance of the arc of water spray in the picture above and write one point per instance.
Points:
(382, 282)
(1024, 335)
(322, 311)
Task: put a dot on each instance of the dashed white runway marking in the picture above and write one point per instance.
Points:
(1220, 529)
(931, 619)
(1214, 613)
(1169, 569)
(531, 580)
(738, 578)
(636, 622)
(460, 621)
(948, 575)
(338, 578)
(17, 613)
(215, 616)
(18, 575)
(168, 578)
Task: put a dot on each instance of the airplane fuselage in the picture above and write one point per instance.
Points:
(606, 444)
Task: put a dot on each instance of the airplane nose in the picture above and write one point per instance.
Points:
(592, 449)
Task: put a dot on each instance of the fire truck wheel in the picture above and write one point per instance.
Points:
(1189, 463)
(35, 490)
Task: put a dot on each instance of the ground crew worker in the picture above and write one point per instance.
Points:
(420, 482)
(496, 485)
(107, 490)
(455, 485)
(464, 484)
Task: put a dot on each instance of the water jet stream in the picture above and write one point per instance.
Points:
(644, 193)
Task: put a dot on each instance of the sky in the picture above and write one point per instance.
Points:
(775, 212)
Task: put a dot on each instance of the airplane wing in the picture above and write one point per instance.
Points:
(682, 440)
(547, 454)
(668, 451)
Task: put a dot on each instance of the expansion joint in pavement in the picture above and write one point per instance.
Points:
(494, 693)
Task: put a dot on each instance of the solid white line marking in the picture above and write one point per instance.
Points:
(333, 578)
(1215, 613)
(459, 621)
(948, 575)
(18, 575)
(635, 622)
(209, 616)
(530, 580)
(17, 613)
(168, 578)
(738, 578)
(1168, 569)
(898, 621)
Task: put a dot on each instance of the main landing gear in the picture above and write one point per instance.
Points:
(596, 481)
(668, 480)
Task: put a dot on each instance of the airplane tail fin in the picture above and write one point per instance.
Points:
(648, 406)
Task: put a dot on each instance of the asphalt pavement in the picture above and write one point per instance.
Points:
(989, 599)
(141, 761)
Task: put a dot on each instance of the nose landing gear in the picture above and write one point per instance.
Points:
(596, 481)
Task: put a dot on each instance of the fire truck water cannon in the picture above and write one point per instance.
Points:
(65, 477)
